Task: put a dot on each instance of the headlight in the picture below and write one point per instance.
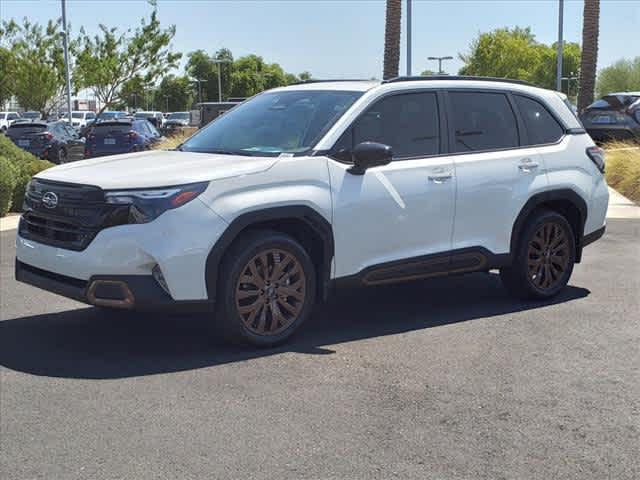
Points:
(146, 205)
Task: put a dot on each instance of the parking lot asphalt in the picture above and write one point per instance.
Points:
(440, 379)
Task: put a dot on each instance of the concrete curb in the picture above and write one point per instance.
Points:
(10, 222)
(621, 207)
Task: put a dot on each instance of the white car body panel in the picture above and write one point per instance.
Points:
(492, 188)
(159, 168)
(391, 212)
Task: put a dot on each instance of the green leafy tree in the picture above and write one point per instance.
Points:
(505, 53)
(427, 73)
(106, 62)
(35, 58)
(174, 94)
(544, 73)
(622, 76)
(515, 53)
(6, 75)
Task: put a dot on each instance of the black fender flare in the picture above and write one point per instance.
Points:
(549, 196)
(255, 217)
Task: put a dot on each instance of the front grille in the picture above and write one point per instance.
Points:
(72, 219)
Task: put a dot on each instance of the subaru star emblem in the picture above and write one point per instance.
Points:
(50, 200)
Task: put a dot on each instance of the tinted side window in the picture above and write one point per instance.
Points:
(541, 126)
(482, 121)
(407, 122)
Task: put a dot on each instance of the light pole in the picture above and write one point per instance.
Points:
(199, 81)
(218, 62)
(65, 41)
(166, 97)
(559, 67)
(440, 59)
(409, 38)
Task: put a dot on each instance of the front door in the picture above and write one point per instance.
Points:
(401, 211)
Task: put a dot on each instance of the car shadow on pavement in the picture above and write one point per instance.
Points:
(93, 344)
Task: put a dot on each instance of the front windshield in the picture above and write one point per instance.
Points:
(273, 123)
(143, 115)
(179, 116)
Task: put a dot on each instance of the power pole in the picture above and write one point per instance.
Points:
(65, 41)
(219, 62)
(408, 38)
(559, 68)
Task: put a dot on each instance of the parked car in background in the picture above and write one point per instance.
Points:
(32, 116)
(176, 122)
(613, 117)
(156, 118)
(108, 116)
(7, 118)
(55, 141)
(80, 119)
(120, 136)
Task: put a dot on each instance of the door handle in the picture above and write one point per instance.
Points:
(440, 178)
(527, 165)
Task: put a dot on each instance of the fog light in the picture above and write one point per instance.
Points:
(159, 277)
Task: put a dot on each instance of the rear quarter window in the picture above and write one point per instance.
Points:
(540, 125)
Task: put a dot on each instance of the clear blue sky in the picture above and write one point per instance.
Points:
(344, 38)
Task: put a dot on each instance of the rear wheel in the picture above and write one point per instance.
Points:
(268, 289)
(544, 258)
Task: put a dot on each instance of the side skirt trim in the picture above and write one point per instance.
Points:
(465, 260)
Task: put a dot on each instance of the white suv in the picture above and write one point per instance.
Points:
(320, 184)
(6, 119)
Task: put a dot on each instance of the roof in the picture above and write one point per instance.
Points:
(344, 85)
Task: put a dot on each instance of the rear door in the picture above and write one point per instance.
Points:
(496, 171)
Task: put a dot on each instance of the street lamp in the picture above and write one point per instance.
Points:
(218, 62)
(440, 59)
(65, 41)
(166, 97)
(198, 81)
(559, 66)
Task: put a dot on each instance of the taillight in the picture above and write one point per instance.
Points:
(596, 154)
(46, 136)
(132, 135)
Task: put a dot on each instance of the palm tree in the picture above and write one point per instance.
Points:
(590, 32)
(392, 39)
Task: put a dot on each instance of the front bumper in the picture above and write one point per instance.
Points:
(178, 242)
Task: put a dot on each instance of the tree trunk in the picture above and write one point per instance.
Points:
(392, 39)
(590, 33)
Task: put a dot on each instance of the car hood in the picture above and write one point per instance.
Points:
(158, 168)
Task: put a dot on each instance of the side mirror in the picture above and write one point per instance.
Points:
(370, 154)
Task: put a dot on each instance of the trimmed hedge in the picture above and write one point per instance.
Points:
(16, 170)
(7, 185)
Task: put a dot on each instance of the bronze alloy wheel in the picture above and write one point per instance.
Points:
(548, 256)
(270, 292)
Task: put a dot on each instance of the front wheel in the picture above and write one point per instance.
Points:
(544, 258)
(267, 289)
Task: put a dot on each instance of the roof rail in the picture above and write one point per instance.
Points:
(328, 80)
(456, 77)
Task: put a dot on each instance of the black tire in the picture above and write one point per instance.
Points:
(62, 156)
(528, 275)
(284, 254)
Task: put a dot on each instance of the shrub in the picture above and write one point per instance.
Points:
(25, 173)
(623, 168)
(7, 185)
(23, 167)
